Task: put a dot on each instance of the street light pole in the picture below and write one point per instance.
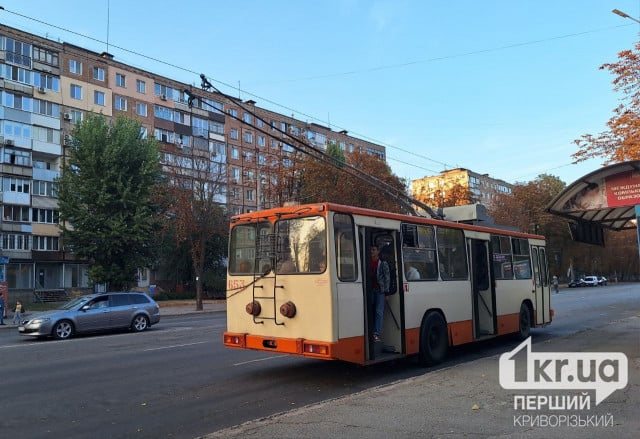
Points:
(623, 15)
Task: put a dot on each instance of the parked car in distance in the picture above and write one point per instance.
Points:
(602, 281)
(94, 313)
(591, 281)
(577, 283)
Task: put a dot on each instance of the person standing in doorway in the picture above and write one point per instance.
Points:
(380, 278)
(554, 282)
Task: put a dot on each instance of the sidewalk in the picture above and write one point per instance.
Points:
(464, 401)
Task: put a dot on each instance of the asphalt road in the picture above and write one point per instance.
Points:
(178, 381)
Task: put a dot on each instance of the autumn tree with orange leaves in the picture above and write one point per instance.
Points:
(338, 184)
(622, 141)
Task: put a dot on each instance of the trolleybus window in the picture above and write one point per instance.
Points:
(521, 258)
(345, 247)
(451, 254)
(419, 252)
(242, 254)
(301, 245)
(502, 262)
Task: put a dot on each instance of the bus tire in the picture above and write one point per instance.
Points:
(434, 340)
(524, 321)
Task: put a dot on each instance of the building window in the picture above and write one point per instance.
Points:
(44, 188)
(15, 185)
(121, 103)
(46, 216)
(233, 134)
(141, 109)
(75, 67)
(98, 73)
(17, 157)
(249, 194)
(14, 242)
(261, 141)
(45, 243)
(76, 91)
(248, 136)
(233, 112)
(141, 86)
(45, 56)
(16, 213)
(120, 80)
(234, 153)
(247, 118)
(98, 98)
(76, 116)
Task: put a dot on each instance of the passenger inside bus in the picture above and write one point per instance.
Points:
(412, 273)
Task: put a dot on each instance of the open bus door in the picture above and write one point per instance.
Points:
(392, 338)
(541, 285)
(482, 289)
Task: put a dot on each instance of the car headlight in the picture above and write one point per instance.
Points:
(40, 320)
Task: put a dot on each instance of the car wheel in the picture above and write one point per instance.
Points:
(140, 323)
(62, 330)
(434, 340)
(524, 326)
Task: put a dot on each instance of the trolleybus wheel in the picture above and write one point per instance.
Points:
(524, 326)
(434, 341)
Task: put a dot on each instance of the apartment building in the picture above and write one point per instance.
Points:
(46, 87)
(483, 188)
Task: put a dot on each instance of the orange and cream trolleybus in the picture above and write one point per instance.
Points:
(298, 280)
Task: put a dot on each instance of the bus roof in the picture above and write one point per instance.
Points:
(318, 208)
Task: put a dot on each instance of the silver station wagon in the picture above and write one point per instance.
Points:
(94, 313)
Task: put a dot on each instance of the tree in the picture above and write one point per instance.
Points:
(622, 141)
(194, 204)
(524, 210)
(338, 184)
(107, 214)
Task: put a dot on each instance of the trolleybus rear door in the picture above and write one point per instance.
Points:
(483, 289)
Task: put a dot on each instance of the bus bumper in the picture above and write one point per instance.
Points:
(294, 346)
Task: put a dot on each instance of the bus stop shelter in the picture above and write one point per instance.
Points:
(608, 198)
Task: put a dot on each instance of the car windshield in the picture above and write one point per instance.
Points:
(75, 303)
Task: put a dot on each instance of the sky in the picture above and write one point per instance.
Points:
(500, 87)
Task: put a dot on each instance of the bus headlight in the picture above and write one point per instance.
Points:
(253, 308)
(288, 309)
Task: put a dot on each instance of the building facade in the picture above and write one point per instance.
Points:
(483, 189)
(46, 87)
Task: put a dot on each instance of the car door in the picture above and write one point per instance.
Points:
(95, 317)
(121, 308)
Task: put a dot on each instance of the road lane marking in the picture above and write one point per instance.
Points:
(254, 361)
(177, 346)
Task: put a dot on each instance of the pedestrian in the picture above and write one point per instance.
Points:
(554, 282)
(17, 313)
(380, 279)
(1, 310)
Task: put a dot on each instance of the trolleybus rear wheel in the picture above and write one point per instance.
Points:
(434, 341)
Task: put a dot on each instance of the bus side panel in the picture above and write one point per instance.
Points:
(510, 294)
(453, 298)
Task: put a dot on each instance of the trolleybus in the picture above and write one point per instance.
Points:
(298, 280)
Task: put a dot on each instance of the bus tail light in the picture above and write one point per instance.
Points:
(288, 309)
(237, 340)
(316, 349)
(253, 308)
